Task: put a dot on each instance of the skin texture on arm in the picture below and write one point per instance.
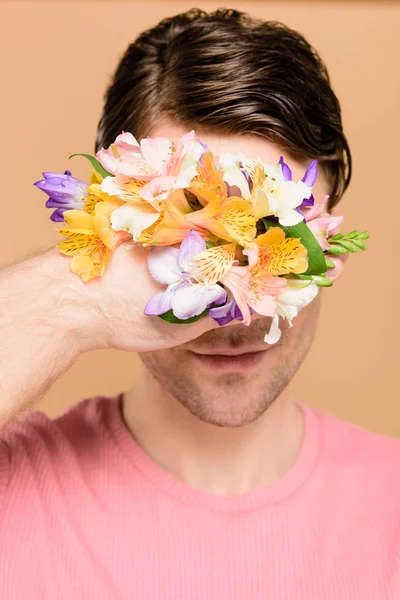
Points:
(43, 327)
(48, 317)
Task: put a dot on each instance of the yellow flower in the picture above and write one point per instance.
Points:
(257, 284)
(90, 240)
(279, 255)
(96, 196)
(213, 264)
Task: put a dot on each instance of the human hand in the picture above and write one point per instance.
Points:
(117, 302)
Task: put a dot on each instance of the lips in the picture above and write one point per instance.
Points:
(229, 351)
(230, 359)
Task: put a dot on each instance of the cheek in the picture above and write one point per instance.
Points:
(162, 360)
(304, 325)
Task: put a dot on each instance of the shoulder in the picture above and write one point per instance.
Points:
(77, 423)
(359, 457)
(30, 445)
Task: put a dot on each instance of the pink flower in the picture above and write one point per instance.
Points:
(322, 224)
(125, 147)
(155, 162)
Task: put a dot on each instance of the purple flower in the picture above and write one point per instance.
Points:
(227, 313)
(65, 192)
(311, 174)
(309, 179)
(286, 172)
(185, 295)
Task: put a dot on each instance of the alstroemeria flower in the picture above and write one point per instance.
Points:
(256, 285)
(65, 193)
(269, 186)
(245, 179)
(248, 178)
(152, 168)
(125, 148)
(185, 295)
(229, 219)
(322, 224)
(234, 173)
(309, 179)
(284, 196)
(227, 312)
(289, 302)
(90, 240)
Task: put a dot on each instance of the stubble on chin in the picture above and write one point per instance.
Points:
(233, 399)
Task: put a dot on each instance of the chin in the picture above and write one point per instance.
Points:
(227, 406)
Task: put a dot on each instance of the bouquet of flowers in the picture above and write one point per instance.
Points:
(228, 236)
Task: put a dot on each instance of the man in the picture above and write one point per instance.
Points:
(206, 481)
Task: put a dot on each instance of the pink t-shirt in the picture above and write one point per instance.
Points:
(85, 513)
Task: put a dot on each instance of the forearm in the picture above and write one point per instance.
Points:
(44, 326)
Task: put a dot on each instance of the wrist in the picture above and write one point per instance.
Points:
(72, 305)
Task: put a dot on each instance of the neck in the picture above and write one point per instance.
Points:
(220, 460)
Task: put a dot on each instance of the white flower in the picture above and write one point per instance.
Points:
(284, 196)
(297, 295)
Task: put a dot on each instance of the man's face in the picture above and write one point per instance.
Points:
(229, 376)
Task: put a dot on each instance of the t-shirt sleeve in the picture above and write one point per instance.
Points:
(39, 456)
(27, 448)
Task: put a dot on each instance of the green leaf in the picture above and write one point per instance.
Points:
(301, 276)
(95, 164)
(316, 258)
(329, 264)
(337, 237)
(322, 281)
(171, 318)
(364, 235)
(349, 245)
(360, 244)
(352, 235)
(336, 250)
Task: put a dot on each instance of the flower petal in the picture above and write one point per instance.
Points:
(193, 300)
(157, 189)
(79, 219)
(189, 151)
(213, 264)
(76, 243)
(163, 264)
(274, 333)
(287, 218)
(104, 231)
(159, 303)
(125, 146)
(286, 172)
(232, 173)
(237, 281)
(316, 210)
(297, 295)
(311, 174)
(126, 188)
(192, 245)
(57, 216)
(280, 255)
(157, 153)
(133, 218)
(223, 314)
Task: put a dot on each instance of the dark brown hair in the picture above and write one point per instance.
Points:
(234, 74)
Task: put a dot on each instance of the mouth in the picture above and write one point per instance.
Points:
(227, 359)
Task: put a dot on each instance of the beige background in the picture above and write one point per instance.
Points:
(56, 60)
